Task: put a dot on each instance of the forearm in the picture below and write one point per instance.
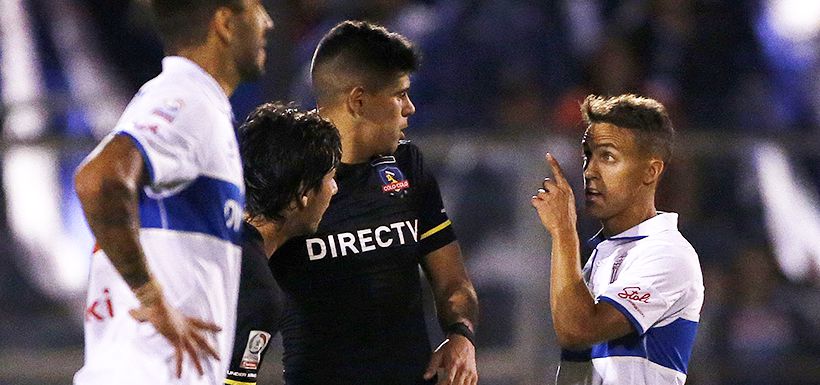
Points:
(458, 304)
(111, 211)
(572, 304)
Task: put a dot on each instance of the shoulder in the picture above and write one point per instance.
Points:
(668, 250)
(167, 99)
(410, 160)
(178, 104)
(408, 151)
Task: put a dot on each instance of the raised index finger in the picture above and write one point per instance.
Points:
(557, 173)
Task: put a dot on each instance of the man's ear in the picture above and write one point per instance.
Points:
(354, 100)
(223, 24)
(654, 171)
(303, 201)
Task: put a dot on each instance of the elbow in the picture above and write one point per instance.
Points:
(87, 184)
(95, 187)
(574, 338)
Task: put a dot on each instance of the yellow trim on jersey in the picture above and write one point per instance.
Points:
(436, 229)
(235, 382)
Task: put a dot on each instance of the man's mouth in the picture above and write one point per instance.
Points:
(591, 193)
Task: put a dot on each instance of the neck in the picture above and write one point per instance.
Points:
(354, 150)
(629, 218)
(273, 235)
(215, 63)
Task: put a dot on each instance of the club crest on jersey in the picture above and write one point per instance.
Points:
(393, 180)
(616, 267)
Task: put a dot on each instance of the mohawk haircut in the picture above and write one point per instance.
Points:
(359, 53)
(646, 117)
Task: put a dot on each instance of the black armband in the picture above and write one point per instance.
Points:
(462, 329)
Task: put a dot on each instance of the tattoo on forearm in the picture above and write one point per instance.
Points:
(113, 219)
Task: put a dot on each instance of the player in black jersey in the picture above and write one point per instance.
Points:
(352, 292)
(289, 159)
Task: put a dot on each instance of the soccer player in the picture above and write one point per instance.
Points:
(630, 316)
(163, 195)
(289, 159)
(352, 292)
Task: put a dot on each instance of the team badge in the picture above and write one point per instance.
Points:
(616, 267)
(393, 180)
(257, 340)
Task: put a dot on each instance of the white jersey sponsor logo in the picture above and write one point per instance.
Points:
(363, 240)
(233, 214)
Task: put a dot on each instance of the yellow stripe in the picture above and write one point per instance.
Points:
(235, 382)
(436, 229)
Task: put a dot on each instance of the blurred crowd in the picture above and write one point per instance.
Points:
(516, 70)
(501, 66)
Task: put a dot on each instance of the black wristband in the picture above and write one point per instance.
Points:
(462, 329)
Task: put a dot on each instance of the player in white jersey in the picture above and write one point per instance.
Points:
(164, 195)
(630, 316)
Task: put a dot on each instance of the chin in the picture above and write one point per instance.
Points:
(595, 211)
(251, 72)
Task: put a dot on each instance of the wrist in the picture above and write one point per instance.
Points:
(460, 328)
(565, 235)
(149, 294)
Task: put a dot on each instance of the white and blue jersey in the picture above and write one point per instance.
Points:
(190, 220)
(652, 275)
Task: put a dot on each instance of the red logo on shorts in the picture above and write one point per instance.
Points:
(633, 293)
(105, 309)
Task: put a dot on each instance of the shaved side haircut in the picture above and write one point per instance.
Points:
(359, 53)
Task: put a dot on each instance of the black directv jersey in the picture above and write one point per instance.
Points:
(258, 310)
(352, 292)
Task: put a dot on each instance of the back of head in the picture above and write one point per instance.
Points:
(359, 53)
(185, 23)
(285, 153)
(647, 118)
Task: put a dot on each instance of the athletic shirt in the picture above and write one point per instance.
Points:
(352, 292)
(652, 275)
(190, 228)
(258, 311)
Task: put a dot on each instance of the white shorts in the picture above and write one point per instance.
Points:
(120, 350)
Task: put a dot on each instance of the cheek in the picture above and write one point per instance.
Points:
(622, 180)
(613, 176)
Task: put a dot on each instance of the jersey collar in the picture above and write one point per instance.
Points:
(184, 66)
(661, 222)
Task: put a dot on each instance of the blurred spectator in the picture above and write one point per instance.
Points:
(761, 330)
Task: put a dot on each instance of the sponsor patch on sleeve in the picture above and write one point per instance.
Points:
(257, 341)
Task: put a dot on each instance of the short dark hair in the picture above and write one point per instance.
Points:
(184, 23)
(359, 52)
(285, 153)
(647, 117)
